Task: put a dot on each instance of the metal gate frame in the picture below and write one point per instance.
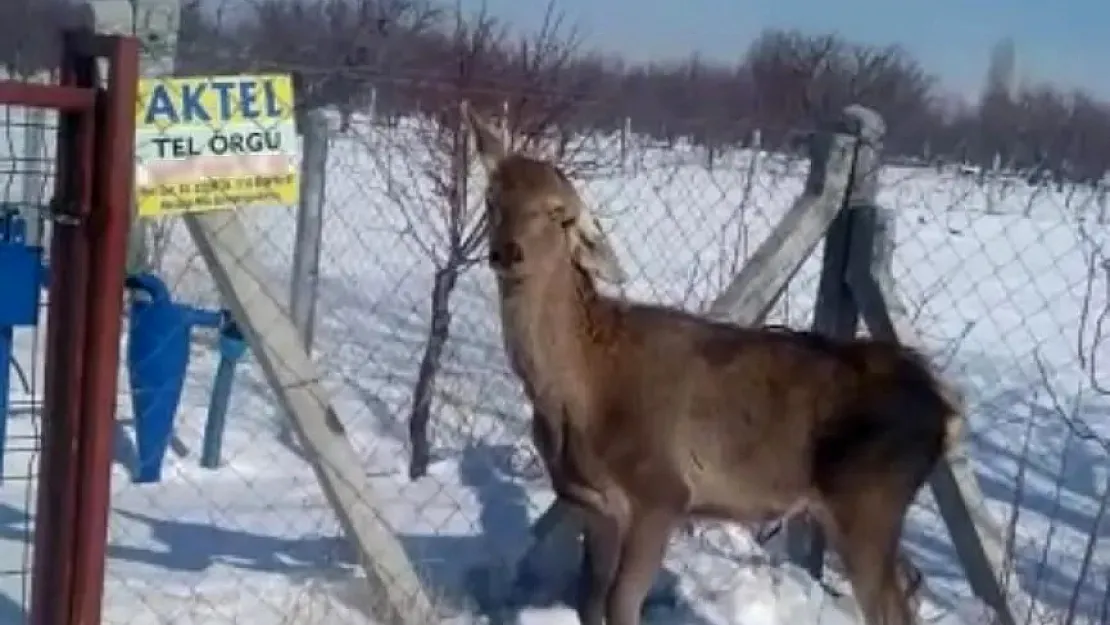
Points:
(90, 215)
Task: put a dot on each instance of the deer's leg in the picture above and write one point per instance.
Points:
(644, 546)
(601, 555)
(865, 525)
(563, 456)
(912, 581)
(567, 458)
(600, 536)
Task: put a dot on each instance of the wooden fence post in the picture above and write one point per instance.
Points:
(979, 546)
(228, 250)
(836, 313)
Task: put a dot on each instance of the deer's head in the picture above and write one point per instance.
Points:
(537, 220)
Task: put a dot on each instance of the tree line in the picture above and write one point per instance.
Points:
(401, 56)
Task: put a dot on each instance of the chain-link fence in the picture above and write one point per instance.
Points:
(26, 172)
(60, 165)
(1006, 281)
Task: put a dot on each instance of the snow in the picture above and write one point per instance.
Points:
(993, 275)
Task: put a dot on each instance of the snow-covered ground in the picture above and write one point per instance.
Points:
(1006, 284)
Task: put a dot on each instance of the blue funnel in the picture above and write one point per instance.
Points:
(157, 356)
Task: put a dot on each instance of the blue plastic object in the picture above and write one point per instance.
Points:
(232, 348)
(6, 335)
(157, 357)
(21, 268)
(22, 275)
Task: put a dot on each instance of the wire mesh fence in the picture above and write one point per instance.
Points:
(386, 237)
(59, 172)
(29, 160)
(1004, 276)
(26, 174)
(1006, 281)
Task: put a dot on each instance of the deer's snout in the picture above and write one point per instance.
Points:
(506, 255)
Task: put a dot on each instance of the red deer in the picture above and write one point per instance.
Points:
(646, 416)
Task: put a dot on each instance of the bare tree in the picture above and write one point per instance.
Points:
(337, 49)
(791, 72)
(398, 53)
(30, 33)
(528, 78)
(545, 88)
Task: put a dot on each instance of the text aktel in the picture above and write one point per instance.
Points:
(234, 97)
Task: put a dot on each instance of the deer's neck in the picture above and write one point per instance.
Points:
(548, 322)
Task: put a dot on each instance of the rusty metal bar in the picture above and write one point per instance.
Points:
(56, 523)
(65, 98)
(108, 230)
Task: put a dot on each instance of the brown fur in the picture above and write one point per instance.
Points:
(647, 415)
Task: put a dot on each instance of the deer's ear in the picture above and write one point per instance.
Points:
(592, 250)
(487, 141)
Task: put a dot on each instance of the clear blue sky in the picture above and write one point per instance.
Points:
(1063, 41)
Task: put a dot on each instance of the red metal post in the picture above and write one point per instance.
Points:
(65, 336)
(62, 98)
(108, 229)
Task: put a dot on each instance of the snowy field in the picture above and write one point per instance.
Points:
(1007, 285)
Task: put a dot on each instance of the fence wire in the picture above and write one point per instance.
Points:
(1006, 281)
(27, 144)
(244, 530)
(253, 538)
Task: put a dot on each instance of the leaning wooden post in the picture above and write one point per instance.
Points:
(835, 313)
(227, 248)
(979, 543)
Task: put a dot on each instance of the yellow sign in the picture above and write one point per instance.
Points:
(215, 143)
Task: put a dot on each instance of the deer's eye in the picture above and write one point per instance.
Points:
(506, 255)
